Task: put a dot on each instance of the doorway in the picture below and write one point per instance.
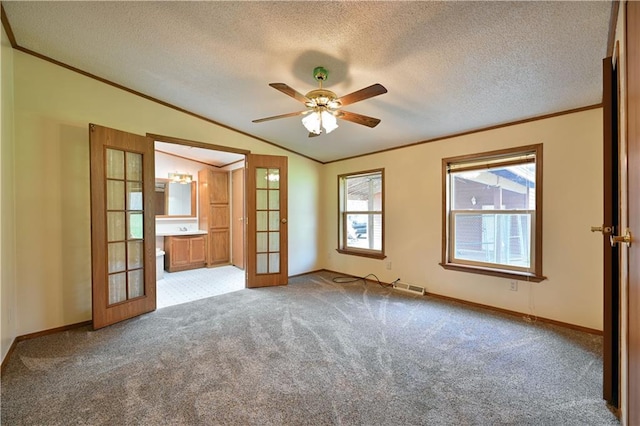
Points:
(186, 222)
(176, 288)
(123, 221)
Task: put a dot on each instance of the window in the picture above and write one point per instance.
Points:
(493, 214)
(361, 213)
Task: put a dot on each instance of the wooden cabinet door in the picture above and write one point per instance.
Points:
(219, 214)
(219, 246)
(185, 252)
(197, 249)
(218, 187)
(179, 252)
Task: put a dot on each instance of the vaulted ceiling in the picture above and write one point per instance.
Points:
(449, 67)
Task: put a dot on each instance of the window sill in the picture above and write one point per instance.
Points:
(515, 275)
(362, 253)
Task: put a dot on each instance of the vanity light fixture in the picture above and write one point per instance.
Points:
(180, 177)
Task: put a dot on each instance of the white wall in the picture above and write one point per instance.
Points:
(572, 202)
(8, 305)
(53, 107)
(166, 164)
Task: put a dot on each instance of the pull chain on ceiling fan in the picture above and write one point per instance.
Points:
(323, 106)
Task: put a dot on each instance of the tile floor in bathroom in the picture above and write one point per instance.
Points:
(186, 286)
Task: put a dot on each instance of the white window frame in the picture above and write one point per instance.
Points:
(531, 271)
(343, 246)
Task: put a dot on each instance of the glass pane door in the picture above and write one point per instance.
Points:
(123, 273)
(267, 249)
(125, 225)
(267, 220)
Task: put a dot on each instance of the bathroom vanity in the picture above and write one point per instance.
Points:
(185, 251)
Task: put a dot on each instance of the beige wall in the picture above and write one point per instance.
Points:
(53, 107)
(8, 306)
(572, 202)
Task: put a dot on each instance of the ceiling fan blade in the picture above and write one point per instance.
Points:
(362, 94)
(358, 118)
(275, 117)
(289, 91)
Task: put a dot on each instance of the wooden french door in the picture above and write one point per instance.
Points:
(633, 193)
(122, 225)
(266, 192)
(237, 215)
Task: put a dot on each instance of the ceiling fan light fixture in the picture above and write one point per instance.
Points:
(324, 106)
(312, 122)
(329, 121)
(318, 120)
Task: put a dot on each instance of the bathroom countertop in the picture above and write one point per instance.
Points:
(178, 233)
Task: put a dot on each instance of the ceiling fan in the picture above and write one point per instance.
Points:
(324, 106)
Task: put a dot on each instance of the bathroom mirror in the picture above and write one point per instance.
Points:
(175, 199)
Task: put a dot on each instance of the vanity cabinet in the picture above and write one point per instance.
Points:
(184, 252)
(214, 214)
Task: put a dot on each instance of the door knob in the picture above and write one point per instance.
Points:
(604, 229)
(284, 220)
(626, 239)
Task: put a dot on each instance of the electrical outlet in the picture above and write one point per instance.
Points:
(389, 265)
(514, 286)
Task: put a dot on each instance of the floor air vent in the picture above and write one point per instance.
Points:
(411, 288)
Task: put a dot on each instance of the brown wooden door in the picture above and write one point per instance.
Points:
(237, 212)
(122, 225)
(267, 235)
(611, 258)
(633, 182)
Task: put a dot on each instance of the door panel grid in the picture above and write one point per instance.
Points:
(124, 182)
(267, 195)
(267, 226)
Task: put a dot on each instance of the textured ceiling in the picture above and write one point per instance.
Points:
(207, 156)
(449, 67)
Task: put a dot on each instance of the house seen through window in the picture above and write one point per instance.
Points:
(493, 213)
(361, 215)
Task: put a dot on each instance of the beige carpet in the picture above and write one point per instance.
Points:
(314, 352)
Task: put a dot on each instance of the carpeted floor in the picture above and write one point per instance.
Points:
(313, 352)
